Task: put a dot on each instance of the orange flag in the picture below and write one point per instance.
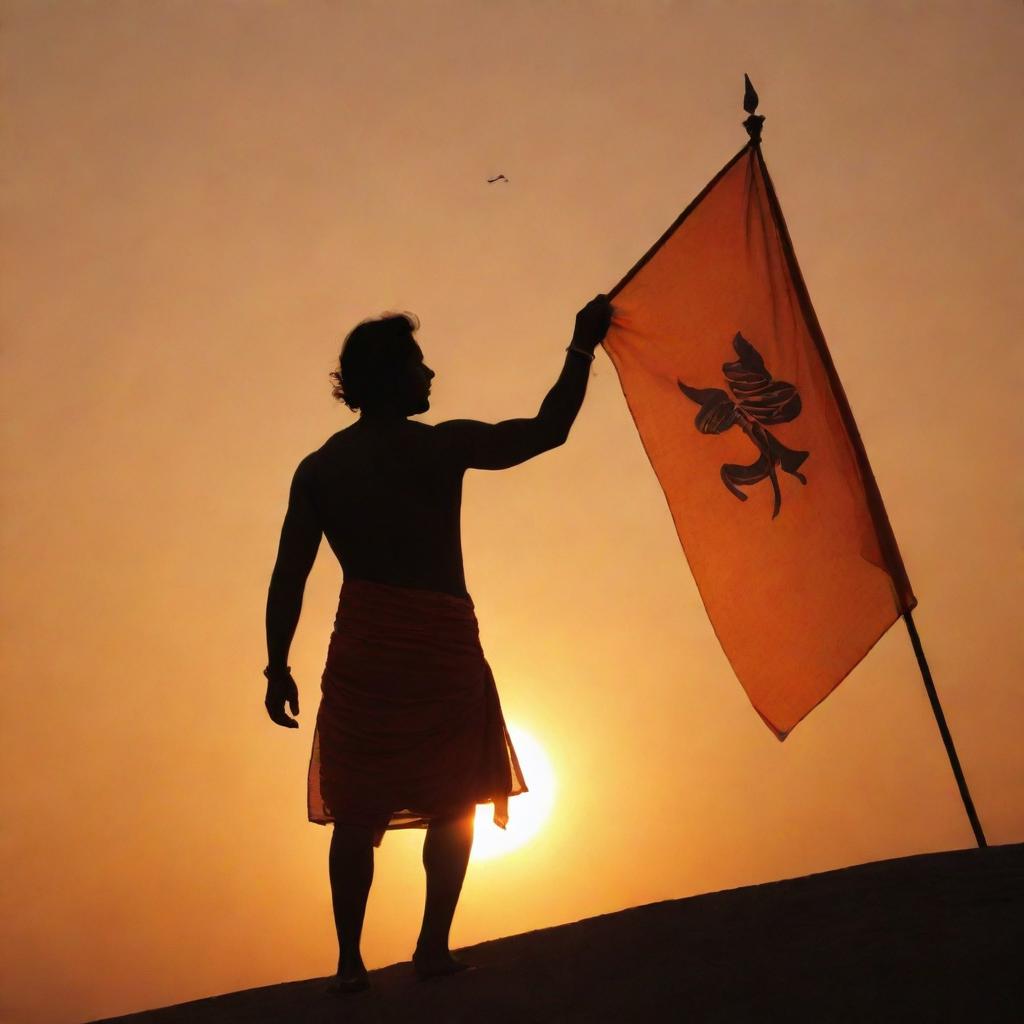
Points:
(741, 412)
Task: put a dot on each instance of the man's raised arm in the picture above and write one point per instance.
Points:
(499, 445)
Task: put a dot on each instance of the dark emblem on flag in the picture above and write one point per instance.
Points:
(759, 402)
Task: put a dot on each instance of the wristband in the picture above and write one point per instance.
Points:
(268, 672)
(581, 351)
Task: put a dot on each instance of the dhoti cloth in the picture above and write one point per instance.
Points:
(409, 726)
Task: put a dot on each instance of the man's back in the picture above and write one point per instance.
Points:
(388, 498)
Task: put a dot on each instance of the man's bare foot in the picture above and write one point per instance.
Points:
(438, 964)
(350, 978)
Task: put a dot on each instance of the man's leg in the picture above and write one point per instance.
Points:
(446, 851)
(351, 870)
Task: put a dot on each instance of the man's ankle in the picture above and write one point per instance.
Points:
(430, 947)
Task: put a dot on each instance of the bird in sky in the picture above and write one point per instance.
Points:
(498, 177)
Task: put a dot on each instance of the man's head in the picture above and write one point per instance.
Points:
(381, 367)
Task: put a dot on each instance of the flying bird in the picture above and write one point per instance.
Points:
(499, 177)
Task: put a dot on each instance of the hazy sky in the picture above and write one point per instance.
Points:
(200, 199)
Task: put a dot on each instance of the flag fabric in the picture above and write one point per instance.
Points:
(742, 415)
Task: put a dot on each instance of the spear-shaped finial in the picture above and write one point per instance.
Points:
(754, 121)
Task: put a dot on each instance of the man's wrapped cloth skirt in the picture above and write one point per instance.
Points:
(409, 726)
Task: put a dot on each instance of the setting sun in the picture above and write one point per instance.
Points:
(527, 812)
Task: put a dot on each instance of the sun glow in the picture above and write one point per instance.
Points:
(527, 812)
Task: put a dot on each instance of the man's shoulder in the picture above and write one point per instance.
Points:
(458, 427)
(308, 469)
(463, 440)
(336, 442)
(446, 431)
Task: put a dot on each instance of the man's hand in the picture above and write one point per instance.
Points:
(281, 688)
(592, 323)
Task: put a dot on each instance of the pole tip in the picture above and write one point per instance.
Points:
(750, 99)
(754, 122)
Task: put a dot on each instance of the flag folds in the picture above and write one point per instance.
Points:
(739, 408)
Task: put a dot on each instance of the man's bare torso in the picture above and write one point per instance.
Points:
(389, 502)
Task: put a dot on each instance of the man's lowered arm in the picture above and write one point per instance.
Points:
(300, 541)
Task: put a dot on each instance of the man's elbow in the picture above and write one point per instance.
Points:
(560, 437)
(553, 433)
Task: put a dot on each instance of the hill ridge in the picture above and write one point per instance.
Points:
(928, 937)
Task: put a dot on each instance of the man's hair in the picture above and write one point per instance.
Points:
(371, 355)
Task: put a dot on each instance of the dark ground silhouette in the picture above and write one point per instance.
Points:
(933, 938)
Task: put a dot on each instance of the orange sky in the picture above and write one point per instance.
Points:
(199, 200)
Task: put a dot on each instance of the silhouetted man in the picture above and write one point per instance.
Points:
(409, 731)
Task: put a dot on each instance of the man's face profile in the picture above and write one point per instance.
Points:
(415, 383)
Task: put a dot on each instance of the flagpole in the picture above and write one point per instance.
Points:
(947, 739)
(902, 590)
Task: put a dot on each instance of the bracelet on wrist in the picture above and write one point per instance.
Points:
(285, 670)
(581, 351)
